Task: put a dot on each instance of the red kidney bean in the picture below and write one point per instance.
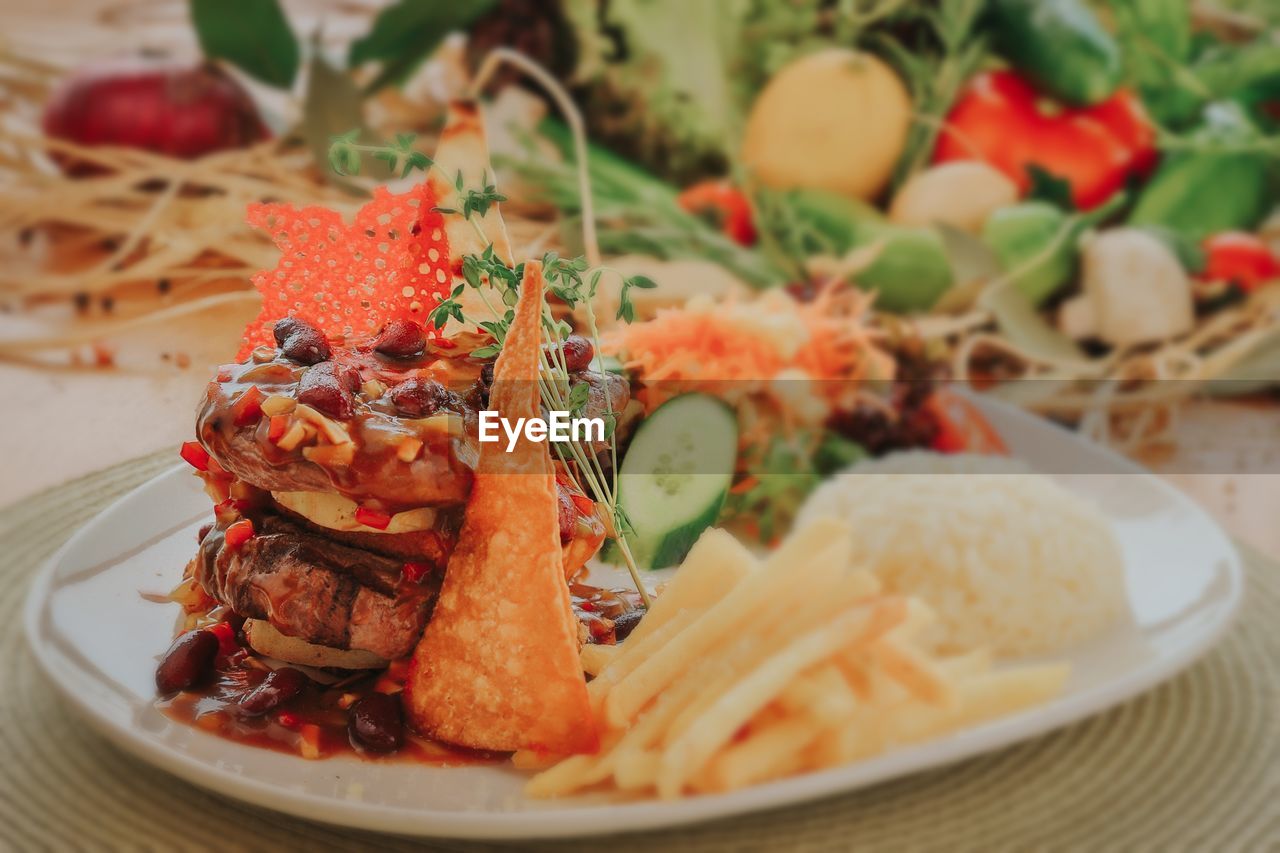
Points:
(419, 398)
(400, 339)
(327, 388)
(578, 353)
(376, 723)
(301, 341)
(188, 660)
(625, 623)
(278, 687)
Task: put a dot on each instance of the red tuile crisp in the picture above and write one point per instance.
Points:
(392, 263)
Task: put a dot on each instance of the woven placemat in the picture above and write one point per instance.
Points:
(1195, 764)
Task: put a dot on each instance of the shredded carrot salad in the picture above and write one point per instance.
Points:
(752, 342)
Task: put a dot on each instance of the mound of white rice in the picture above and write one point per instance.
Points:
(1007, 558)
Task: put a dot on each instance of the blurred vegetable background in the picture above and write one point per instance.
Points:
(1059, 190)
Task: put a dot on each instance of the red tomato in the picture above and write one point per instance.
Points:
(1000, 119)
(725, 205)
(1239, 258)
(962, 427)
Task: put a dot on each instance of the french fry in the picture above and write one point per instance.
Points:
(958, 667)
(717, 725)
(792, 566)
(634, 652)
(716, 563)
(919, 675)
(571, 774)
(822, 696)
(757, 671)
(637, 769)
(1009, 690)
(775, 749)
(595, 657)
(829, 594)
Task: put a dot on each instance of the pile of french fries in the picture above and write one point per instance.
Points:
(746, 670)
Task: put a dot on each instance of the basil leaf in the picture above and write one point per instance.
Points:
(253, 36)
(406, 33)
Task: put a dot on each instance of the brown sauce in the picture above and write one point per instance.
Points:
(314, 723)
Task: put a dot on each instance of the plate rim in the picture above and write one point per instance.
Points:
(601, 818)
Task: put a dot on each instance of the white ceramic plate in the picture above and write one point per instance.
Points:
(98, 640)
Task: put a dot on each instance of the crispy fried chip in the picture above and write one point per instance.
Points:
(498, 667)
(391, 263)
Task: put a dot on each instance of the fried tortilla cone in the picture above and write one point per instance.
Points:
(497, 667)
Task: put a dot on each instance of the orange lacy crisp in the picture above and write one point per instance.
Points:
(392, 263)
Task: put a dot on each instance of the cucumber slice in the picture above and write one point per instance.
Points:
(675, 477)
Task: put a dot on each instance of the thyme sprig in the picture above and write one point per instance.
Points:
(568, 279)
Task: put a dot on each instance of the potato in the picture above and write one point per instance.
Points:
(961, 194)
(836, 120)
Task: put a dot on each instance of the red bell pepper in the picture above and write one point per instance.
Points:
(962, 427)
(239, 533)
(1239, 258)
(277, 427)
(415, 572)
(725, 205)
(374, 518)
(195, 455)
(1000, 119)
(248, 408)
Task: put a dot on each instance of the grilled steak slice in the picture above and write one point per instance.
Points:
(311, 587)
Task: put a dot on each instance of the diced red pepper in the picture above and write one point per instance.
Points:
(226, 637)
(288, 719)
(962, 428)
(239, 533)
(585, 505)
(195, 455)
(415, 572)
(230, 507)
(374, 518)
(223, 374)
(216, 469)
(277, 427)
(1239, 258)
(248, 408)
